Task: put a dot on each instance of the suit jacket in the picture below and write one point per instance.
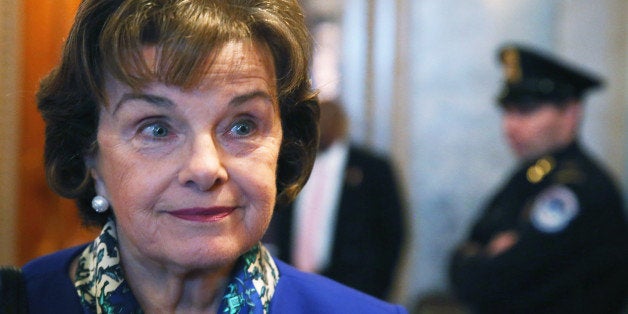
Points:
(369, 232)
(571, 255)
(50, 290)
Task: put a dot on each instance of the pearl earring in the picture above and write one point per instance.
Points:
(100, 204)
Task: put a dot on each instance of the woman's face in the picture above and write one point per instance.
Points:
(190, 174)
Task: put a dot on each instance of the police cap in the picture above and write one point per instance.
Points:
(532, 77)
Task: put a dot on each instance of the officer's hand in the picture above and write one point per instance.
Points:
(501, 242)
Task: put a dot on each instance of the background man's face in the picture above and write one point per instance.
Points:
(532, 133)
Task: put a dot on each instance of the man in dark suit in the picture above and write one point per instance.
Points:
(553, 238)
(347, 223)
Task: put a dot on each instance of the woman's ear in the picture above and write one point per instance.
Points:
(99, 185)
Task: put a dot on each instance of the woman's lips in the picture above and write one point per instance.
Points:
(202, 214)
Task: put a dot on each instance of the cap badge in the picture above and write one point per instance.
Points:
(512, 65)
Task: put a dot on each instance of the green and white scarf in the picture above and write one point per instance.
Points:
(102, 288)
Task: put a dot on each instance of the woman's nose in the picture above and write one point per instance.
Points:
(203, 168)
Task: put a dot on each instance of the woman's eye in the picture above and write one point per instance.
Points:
(242, 127)
(157, 130)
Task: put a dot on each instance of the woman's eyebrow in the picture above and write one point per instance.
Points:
(240, 99)
(158, 101)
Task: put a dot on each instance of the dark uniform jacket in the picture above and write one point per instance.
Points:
(369, 231)
(571, 256)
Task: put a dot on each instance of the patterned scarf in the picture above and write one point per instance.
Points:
(102, 288)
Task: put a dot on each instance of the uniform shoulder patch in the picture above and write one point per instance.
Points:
(554, 208)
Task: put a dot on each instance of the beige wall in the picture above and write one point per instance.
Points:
(9, 115)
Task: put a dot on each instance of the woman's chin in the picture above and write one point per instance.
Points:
(205, 257)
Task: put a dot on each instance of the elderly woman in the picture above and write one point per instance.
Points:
(176, 126)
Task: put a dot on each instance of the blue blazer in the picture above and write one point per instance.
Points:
(50, 290)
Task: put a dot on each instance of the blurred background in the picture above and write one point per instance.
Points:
(418, 79)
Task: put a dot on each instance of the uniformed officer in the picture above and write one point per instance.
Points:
(553, 238)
